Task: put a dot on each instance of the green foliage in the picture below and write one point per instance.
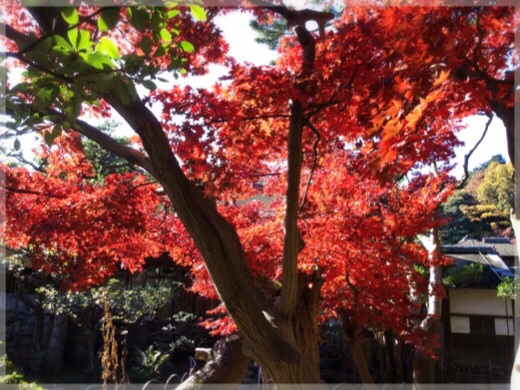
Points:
(497, 158)
(482, 210)
(126, 305)
(497, 187)
(147, 364)
(465, 276)
(74, 66)
(14, 377)
(459, 223)
(487, 218)
(104, 161)
(269, 34)
(508, 288)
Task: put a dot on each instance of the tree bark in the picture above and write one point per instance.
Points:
(358, 355)
(423, 366)
(273, 337)
(515, 373)
(225, 364)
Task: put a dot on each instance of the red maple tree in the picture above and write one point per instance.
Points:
(323, 140)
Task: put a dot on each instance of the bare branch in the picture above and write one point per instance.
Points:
(467, 156)
(131, 155)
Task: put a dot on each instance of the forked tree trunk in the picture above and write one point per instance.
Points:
(281, 338)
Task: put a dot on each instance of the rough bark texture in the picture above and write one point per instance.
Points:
(283, 342)
(515, 374)
(356, 347)
(292, 238)
(225, 364)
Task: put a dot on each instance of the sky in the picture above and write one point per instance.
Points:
(241, 39)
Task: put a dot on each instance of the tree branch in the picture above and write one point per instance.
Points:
(216, 238)
(292, 238)
(467, 156)
(474, 62)
(314, 161)
(131, 155)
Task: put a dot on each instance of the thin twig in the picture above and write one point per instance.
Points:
(467, 156)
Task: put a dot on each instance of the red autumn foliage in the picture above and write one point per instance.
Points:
(385, 97)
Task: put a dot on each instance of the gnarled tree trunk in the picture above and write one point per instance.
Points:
(282, 338)
(225, 364)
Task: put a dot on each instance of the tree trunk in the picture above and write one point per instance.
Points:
(423, 370)
(394, 369)
(361, 362)
(302, 332)
(358, 355)
(423, 366)
(272, 335)
(225, 364)
(515, 374)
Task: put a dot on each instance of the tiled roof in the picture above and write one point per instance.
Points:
(501, 245)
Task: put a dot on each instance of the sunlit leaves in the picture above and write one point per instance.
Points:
(106, 46)
(84, 229)
(443, 75)
(187, 46)
(70, 15)
(198, 12)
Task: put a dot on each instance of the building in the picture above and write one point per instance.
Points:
(478, 325)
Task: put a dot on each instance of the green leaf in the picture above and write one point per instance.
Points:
(198, 12)
(149, 84)
(172, 13)
(157, 21)
(108, 19)
(138, 19)
(122, 91)
(84, 41)
(62, 42)
(108, 47)
(70, 15)
(49, 137)
(17, 144)
(161, 50)
(73, 37)
(146, 45)
(76, 106)
(165, 35)
(187, 46)
(99, 60)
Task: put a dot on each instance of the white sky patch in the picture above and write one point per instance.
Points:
(495, 142)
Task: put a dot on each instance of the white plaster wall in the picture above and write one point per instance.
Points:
(478, 302)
